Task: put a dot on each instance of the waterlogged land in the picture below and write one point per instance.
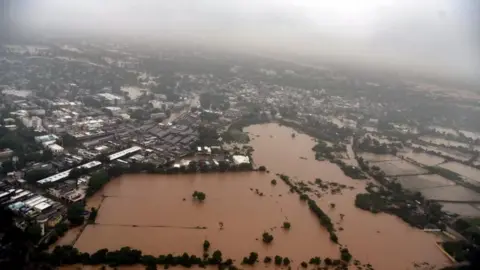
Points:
(383, 240)
(156, 213)
(148, 212)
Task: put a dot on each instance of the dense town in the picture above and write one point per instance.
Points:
(74, 116)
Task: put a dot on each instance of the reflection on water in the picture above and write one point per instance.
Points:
(156, 213)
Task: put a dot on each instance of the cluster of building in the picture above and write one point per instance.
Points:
(29, 206)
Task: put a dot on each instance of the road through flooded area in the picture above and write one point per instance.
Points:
(156, 213)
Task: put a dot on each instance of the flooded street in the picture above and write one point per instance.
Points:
(156, 213)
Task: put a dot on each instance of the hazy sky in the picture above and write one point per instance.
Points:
(440, 35)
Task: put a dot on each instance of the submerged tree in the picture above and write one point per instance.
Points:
(198, 195)
(206, 245)
(267, 238)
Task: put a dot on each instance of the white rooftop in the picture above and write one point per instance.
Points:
(124, 152)
(238, 159)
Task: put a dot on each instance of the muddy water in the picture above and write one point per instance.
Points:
(383, 240)
(148, 212)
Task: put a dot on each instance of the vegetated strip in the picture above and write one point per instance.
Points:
(324, 219)
(391, 198)
(68, 255)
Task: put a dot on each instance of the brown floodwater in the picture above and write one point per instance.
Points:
(156, 213)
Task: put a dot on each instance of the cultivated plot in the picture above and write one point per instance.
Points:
(420, 182)
(399, 167)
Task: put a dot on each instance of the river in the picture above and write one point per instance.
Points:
(156, 213)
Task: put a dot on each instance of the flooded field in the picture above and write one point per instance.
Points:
(471, 134)
(423, 158)
(445, 151)
(149, 212)
(462, 209)
(440, 141)
(377, 158)
(444, 130)
(463, 170)
(452, 193)
(399, 167)
(422, 182)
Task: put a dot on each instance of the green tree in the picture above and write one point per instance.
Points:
(315, 260)
(286, 261)
(267, 259)
(273, 182)
(286, 225)
(200, 196)
(278, 260)
(267, 238)
(34, 232)
(345, 255)
(93, 215)
(304, 265)
(75, 214)
(206, 245)
(251, 259)
(216, 257)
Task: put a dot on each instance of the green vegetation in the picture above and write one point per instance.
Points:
(267, 259)
(459, 250)
(68, 255)
(349, 170)
(304, 265)
(323, 218)
(199, 196)
(206, 245)
(251, 259)
(444, 173)
(273, 182)
(323, 151)
(97, 181)
(469, 228)
(75, 214)
(93, 215)
(345, 255)
(286, 261)
(391, 198)
(372, 145)
(286, 225)
(32, 176)
(267, 238)
(278, 260)
(315, 261)
(262, 168)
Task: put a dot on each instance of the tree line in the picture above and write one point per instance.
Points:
(324, 219)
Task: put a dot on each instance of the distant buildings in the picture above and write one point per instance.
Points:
(46, 138)
(65, 174)
(125, 152)
(111, 99)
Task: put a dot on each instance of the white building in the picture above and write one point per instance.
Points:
(33, 122)
(111, 99)
(238, 159)
(122, 153)
(55, 148)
